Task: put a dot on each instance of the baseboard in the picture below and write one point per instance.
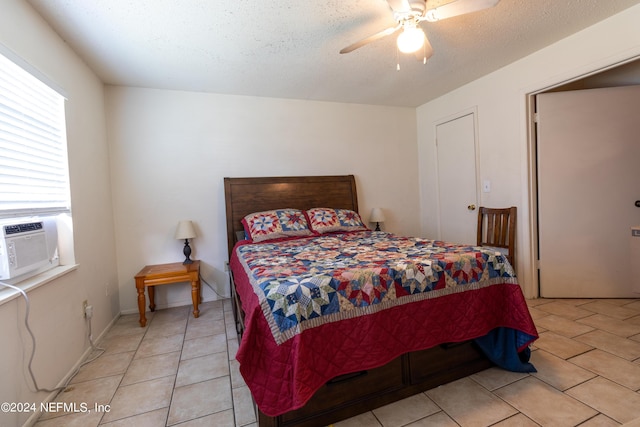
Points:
(174, 304)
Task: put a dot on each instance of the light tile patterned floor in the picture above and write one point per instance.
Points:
(181, 371)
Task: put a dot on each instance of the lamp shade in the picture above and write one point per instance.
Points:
(376, 215)
(185, 230)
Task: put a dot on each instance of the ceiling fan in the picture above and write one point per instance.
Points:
(410, 13)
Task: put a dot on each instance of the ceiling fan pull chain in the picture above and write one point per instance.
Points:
(397, 59)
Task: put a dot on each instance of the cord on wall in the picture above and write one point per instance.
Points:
(88, 314)
(211, 287)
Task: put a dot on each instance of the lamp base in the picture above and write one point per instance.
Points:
(187, 252)
(377, 226)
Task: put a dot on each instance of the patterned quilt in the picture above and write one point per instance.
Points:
(319, 307)
(302, 283)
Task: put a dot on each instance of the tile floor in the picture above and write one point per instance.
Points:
(181, 371)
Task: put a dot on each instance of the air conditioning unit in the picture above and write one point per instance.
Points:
(27, 246)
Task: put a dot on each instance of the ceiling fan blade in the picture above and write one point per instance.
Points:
(370, 39)
(456, 8)
(425, 53)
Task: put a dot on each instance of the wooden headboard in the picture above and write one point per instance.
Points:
(247, 195)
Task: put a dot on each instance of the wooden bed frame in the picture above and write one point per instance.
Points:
(351, 394)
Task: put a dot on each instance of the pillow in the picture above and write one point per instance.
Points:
(326, 220)
(275, 224)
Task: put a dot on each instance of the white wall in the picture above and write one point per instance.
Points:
(171, 150)
(56, 308)
(500, 98)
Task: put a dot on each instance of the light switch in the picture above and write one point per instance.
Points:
(486, 186)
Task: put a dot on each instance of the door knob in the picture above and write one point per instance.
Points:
(471, 207)
(637, 203)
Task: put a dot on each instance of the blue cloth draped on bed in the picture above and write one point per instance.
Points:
(500, 346)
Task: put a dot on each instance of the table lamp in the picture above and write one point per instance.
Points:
(376, 216)
(186, 231)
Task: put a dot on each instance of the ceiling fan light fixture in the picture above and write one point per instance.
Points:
(408, 14)
(411, 39)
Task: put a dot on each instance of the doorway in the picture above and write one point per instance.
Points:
(624, 73)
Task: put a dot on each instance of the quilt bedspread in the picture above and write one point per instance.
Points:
(372, 295)
(305, 282)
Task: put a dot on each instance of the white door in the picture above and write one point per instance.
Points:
(457, 191)
(588, 182)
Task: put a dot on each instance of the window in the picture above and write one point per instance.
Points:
(34, 178)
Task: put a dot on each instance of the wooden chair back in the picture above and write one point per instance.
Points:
(497, 228)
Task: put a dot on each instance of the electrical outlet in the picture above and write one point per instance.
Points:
(85, 303)
(106, 289)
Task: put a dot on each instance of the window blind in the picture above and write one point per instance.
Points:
(34, 178)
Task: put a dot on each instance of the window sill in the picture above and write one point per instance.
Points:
(8, 294)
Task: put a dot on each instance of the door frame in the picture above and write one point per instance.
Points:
(473, 111)
(531, 170)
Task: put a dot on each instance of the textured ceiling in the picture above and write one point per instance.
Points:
(289, 48)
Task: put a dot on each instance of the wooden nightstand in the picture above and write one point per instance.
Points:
(162, 274)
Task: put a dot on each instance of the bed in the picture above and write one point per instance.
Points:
(328, 329)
